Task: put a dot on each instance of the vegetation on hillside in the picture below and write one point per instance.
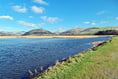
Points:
(97, 63)
(38, 32)
(107, 32)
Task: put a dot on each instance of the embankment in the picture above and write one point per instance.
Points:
(97, 63)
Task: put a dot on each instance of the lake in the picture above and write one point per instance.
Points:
(18, 55)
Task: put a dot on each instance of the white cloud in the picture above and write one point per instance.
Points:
(30, 16)
(93, 23)
(6, 17)
(41, 2)
(101, 12)
(116, 18)
(30, 24)
(103, 22)
(36, 9)
(19, 9)
(50, 19)
(87, 22)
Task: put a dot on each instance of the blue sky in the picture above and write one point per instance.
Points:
(57, 15)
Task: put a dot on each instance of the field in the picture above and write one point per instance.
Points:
(85, 36)
(97, 63)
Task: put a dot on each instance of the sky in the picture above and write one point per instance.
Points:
(57, 15)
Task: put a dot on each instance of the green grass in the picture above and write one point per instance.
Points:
(97, 63)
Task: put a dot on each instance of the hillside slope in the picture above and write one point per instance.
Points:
(37, 32)
(88, 31)
(13, 33)
(107, 32)
(72, 31)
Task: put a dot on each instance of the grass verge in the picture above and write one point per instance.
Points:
(97, 63)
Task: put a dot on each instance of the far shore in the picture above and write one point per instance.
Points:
(81, 36)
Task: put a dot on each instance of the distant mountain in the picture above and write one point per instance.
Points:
(58, 32)
(78, 31)
(13, 33)
(88, 31)
(37, 32)
(72, 31)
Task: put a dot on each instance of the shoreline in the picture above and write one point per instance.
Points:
(83, 36)
(98, 44)
(65, 61)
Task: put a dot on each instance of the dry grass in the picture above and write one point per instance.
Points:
(85, 36)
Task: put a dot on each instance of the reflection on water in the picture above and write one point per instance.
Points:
(18, 55)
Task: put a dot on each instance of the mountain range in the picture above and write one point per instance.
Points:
(88, 31)
(77, 31)
(13, 33)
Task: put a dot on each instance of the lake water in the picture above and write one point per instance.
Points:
(18, 55)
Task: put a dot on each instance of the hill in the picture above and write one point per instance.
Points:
(72, 31)
(37, 32)
(58, 32)
(88, 31)
(13, 33)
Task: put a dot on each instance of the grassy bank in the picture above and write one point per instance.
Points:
(83, 36)
(97, 63)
